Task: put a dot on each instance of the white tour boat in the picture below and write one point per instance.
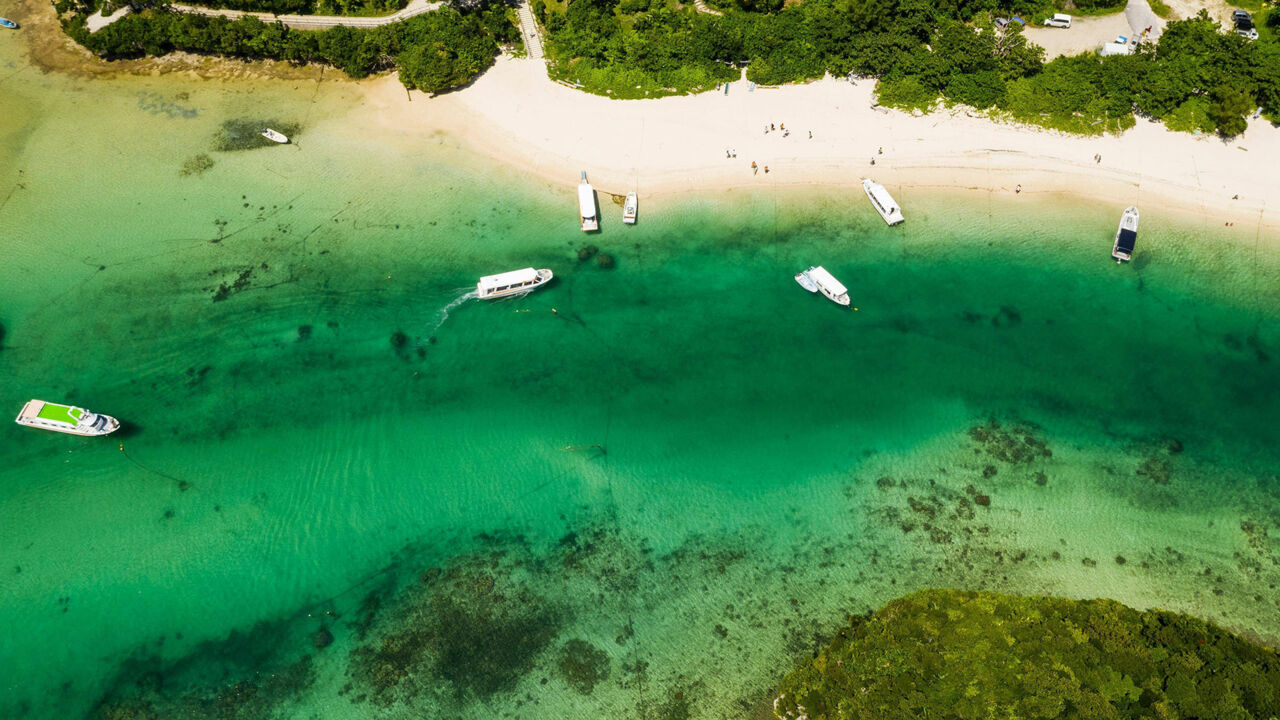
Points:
(65, 419)
(817, 279)
(587, 212)
(1126, 235)
(882, 201)
(516, 282)
(630, 207)
(274, 136)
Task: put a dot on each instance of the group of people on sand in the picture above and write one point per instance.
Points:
(783, 127)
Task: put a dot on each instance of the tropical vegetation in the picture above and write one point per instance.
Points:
(1197, 78)
(434, 52)
(947, 653)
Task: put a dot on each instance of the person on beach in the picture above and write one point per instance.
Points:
(873, 161)
(880, 151)
(754, 168)
(771, 126)
(810, 134)
(1018, 190)
(766, 169)
(782, 127)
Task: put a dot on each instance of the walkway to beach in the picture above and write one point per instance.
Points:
(529, 29)
(702, 7)
(299, 22)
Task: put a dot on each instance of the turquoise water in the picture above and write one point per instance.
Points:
(640, 492)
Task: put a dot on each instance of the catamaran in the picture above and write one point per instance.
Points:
(274, 136)
(629, 208)
(817, 279)
(587, 212)
(65, 419)
(1126, 235)
(7, 23)
(507, 284)
(882, 201)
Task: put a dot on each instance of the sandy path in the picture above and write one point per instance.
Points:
(319, 22)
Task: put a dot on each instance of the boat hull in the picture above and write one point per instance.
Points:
(543, 277)
(36, 414)
(806, 282)
(1126, 236)
(629, 209)
(8, 24)
(883, 202)
(274, 136)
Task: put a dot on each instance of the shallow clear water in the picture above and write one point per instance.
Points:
(640, 492)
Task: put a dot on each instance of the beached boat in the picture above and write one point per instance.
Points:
(629, 208)
(274, 136)
(817, 279)
(587, 212)
(516, 282)
(1126, 235)
(882, 201)
(65, 419)
(7, 23)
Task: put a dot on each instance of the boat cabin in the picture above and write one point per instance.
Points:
(516, 282)
(587, 212)
(1125, 240)
(883, 202)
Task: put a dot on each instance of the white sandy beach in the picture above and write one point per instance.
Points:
(515, 114)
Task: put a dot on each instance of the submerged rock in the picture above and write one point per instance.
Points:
(582, 665)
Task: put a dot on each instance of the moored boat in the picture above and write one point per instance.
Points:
(274, 136)
(825, 283)
(806, 282)
(7, 23)
(630, 207)
(587, 212)
(65, 419)
(516, 282)
(882, 201)
(1126, 235)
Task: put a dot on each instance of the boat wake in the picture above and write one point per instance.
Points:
(443, 313)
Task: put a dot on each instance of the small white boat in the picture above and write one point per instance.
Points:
(274, 136)
(1126, 235)
(882, 201)
(817, 279)
(65, 419)
(805, 281)
(516, 282)
(587, 212)
(630, 207)
(7, 23)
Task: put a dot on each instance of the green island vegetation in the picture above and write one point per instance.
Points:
(434, 52)
(367, 8)
(949, 653)
(1199, 77)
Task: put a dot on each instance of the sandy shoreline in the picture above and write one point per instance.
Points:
(516, 115)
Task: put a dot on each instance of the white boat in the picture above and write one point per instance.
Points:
(507, 284)
(817, 279)
(805, 281)
(882, 201)
(629, 208)
(274, 136)
(587, 212)
(65, 419)
(1126, 235)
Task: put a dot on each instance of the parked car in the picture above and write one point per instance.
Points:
(1002, 23)
(1059, 20)
(1244, 25)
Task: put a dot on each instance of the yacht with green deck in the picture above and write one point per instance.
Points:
(65, 419)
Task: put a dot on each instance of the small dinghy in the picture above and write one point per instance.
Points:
(274, 136)
(629, 208)
(1126, 236)
(805, 281)
(7, 23)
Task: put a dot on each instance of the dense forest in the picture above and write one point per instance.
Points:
(436, 51)
(981, 655)
(1197, 78)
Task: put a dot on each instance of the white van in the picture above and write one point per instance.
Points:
(1058, 20)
